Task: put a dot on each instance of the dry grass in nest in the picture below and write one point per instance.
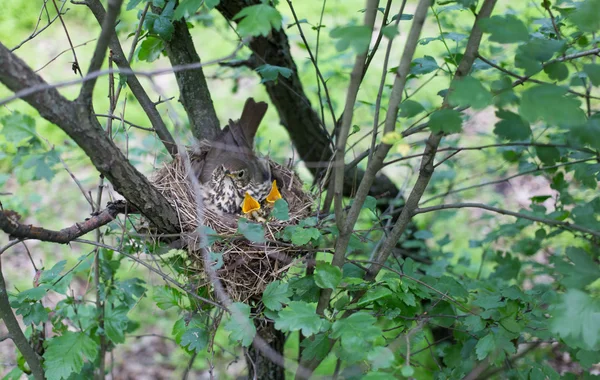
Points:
(247, 267)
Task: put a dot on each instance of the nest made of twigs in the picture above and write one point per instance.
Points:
(247, 267)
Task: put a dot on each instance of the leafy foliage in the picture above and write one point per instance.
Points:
(258, 20)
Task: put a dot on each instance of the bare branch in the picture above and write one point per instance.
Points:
(426, 168)
(193, 89)
(550, 222)
(16, 334)
(115, 117)
(527, 172)
(76, 67)
(37, 31)
(75, 119)
(314, 62)
(108, 30)
(342, 136)
(17, 230)
(63, 52)
(134, 84)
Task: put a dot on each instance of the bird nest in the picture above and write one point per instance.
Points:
(243, 267)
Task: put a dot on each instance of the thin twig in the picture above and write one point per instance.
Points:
(314, 62)
(108, 29)
(501, 180)
(550, 222)
(114, 117)
(76, 66)
(96, 74)
(63, 52)
(36, 32)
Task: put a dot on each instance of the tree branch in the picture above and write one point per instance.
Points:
(77, 121)
(426, 168)
(108, 30)
(193, 89)
(16, 230)
(550, 222)
(342, 136)
(136, 87)
(506, 179)
(12, 325)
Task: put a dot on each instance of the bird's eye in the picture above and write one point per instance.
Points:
(240, 174)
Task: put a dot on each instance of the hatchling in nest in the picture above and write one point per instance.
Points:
(234, 179)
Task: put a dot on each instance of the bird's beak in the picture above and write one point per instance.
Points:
(274, 193)
(249, 204)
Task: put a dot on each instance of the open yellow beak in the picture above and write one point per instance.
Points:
(274, 194)
(249, 204)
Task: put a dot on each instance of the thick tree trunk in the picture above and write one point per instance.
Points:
(260, 367)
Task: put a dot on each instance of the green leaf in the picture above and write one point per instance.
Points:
(370, 203)
(511, 126)
(64, 354)
(505, 29)
(390, 31)
(281, 210)
(469, 92)
(547, 154)
(583, 272)
(132, 4)
(446, 120)
(258, 20)
(33, 313)
(302, 236)
(187, 8)
(474, 323)
(51, 275)
(586, 16)
(357, 37)
(407, 371)
(150, 49)
(557, 71)
(195, 339)
(588, 358)
(271, 73)
(316, 347)
(252, 231)
(298, 316)
(240, 325)
(381, 357)
(211, 4)
(166, 297)
(577, 320)
(549, 103)
(276, 295)
(532, 54)
(18, 127)
(357, 331)
(485, 346)
(424, 65)
(33, 294)
(42, 164)
(115, 323)
(410, 108)
(593, 73)
(163, 27)
(209, 235)
(373, 294)
(327, 276)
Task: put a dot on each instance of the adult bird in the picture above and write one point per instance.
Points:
(231, 169)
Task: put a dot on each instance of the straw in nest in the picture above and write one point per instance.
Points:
(247, 267)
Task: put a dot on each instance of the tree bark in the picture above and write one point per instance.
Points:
(260, 366)
(78, 121)
(198, 104)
